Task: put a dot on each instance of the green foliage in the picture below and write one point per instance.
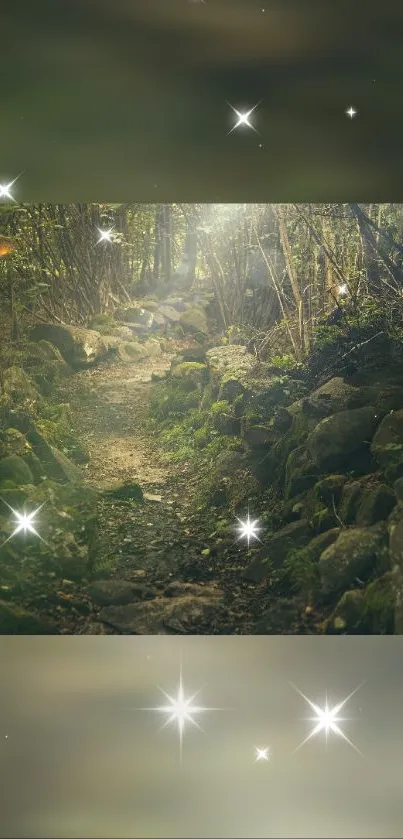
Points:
(171, 399)
(302, 571)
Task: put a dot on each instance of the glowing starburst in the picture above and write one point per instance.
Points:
(351, 112)
(342, 289)
(104, 235)
(248, 529)
(262, 754)
(24, 522)
(181, 710)
(5, 190)
(327, 719)
(243, 118)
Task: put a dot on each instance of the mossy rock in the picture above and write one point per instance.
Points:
(102, 323)
(352, 495)
(329, 489)
(301, 566)
(358, 554)
(292, 536)
(376, 505)
(193, 373)
(128, 491)
(16, 469)
(194, 320)
(387, 444)
(301, 472)
(324, 520)
(369, 611)
(223, 418)
(17, 621)
(341, 435)
(18, 385)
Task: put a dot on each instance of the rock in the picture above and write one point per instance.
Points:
(366, 612)
(282, 618)
(301, 473)
(12, 441)
(351, 497)
(194, 320)
(341, 435)
(398, 488)
(356, 555)
(347, 617)
(123, 332)
(387, 444)
(79, 347)
(169, 313)
(329, 489)
(17, 621)
(192, 373)
(292, 536)
(336, 396)
(126, 351)
(189, 614)
(194, 353)
(233, 361)
(282, 420)
(152, 348)
(257, 436)
(16, 470)
(117, 592)
(126, 491)
(376, 505)
(56, 465)
(18, 385)
(318, 544)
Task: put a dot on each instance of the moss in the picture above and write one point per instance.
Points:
(301, 569)
(102, 323)
(379, 605)
(171, 400)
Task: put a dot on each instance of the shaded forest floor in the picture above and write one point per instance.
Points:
(158, 568)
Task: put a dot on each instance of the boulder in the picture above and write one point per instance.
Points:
(341, 435)
(16, 470)
(294, 535)
(369, 611)
(301, 473)
(387, 444)
(194, 320)
(125, 351)
(169, 313)
(196, 611)
(355, 556)
(335, 396)
(376, 505)
(18, 385)
(117, 592)
(79, 347)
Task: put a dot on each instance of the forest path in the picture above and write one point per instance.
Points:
(146, 551)
(158, 567)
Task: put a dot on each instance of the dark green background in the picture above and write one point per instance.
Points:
(116, 100)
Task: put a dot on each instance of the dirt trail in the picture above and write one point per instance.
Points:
(115, 426)
(158, 568)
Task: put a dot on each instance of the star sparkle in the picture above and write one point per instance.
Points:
(105, 235)
(243, 118)
(5, 190)
(262, 753)
(24, 522)
(180, 711)
(327, 719)
(351, 112)
(342, 289)
(248, 529)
